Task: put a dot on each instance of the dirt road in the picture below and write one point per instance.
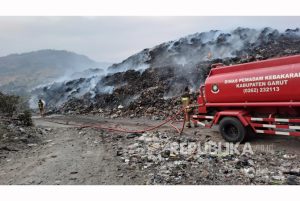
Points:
(68, 155)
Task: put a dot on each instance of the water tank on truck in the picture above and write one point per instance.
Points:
(262, 90)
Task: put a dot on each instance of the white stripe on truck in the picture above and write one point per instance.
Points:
(281, 133)
(256, 119)
(275, 132)
(281, 120)
(269, 126)
(294, 127)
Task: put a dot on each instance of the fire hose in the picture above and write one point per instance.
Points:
(170, 119)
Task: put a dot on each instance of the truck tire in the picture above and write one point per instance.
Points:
(232, 130)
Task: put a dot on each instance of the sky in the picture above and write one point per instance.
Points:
(113, 39)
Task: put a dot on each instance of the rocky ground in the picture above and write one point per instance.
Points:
(15, 137)
(65, 154)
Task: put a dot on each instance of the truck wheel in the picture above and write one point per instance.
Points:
(232, 130)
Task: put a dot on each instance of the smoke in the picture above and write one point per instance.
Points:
(65, 86)
(137, 62)
(33, 102)
(182, 55)
(185, 53)
(79, 84)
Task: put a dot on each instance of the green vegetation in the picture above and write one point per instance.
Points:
(8, 104)
(14, 105)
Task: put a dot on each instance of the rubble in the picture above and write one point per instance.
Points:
(152, 152)
(150, 83)
(16, 129)
(14, 137)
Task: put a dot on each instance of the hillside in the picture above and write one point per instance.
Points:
(154, 77)
(19, 72)
(215, 44)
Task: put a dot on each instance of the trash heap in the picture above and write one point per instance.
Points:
(173, 159)
(155, 89)
(151, 93)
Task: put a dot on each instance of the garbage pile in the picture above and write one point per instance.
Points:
(150, 83)
(173, 159)
(152, 93)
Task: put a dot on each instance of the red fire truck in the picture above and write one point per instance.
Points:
(261, 97)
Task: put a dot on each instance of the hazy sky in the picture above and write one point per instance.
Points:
(113, 39)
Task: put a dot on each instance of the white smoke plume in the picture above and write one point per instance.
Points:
(184, 54)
